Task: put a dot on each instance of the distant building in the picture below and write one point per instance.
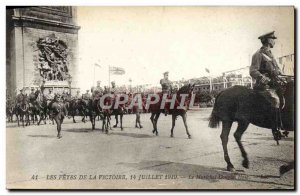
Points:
(287, 64)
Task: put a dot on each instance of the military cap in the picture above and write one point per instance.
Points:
(21, 89)
(32, 89)
(268, 35)
(166, 73)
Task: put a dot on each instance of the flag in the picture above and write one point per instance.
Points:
(96, 64)
(207, 70)
(117, 70)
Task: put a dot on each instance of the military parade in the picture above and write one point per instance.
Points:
(189, 129)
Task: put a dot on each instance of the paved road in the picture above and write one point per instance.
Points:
(135, 158)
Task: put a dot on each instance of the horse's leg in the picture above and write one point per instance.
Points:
(276, 135)
(155, 122)
(139, 119)
(173, 124)
(117, 121)
(92, 119)
(152, 121)
(18, 119)
(41, 117)
(136, 120)
(22, 118)
(104, 122)
(242, 126)
(58, 123)
(184, 116)
(121, 121)
(226, 126)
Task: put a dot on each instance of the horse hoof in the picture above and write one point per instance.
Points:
(121, 129)
(283, 169)
(153, 131)
(245, 164)
(156, 133)
(230, 168)
(136, 126)
(189, 136)
(141, 127)
(59, 136)
(171, 135)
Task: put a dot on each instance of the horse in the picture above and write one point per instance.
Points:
(42, 108)
(22, 111)
(10, 110)
(244, 106)
(33, 107)
(57, 112)
(76, 107)
(175, 112)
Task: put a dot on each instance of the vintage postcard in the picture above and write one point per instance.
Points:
(162, 97)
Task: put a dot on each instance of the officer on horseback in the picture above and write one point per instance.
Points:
(265, 71)
(166, 86)
(20, 96)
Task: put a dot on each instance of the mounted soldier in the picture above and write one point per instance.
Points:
(32, 97)
(86, 97)
(50, 97)
(98, 87)
(265, 71)
(113, 89)
(166, 86)
(20, 97)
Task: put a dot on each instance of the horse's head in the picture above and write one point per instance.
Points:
(186, 89)
(58, 98)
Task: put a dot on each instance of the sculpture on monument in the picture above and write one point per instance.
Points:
(53, 63)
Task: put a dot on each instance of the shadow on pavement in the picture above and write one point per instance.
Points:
(272, 139)
(79, 130)
(43, 136)
(134, 135)
(212, 174)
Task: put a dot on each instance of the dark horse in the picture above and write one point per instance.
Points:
(10, 110)
(42, 108)
(175, 112)
(244, 106)
(22, 110)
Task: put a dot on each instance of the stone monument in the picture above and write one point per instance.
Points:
(42, 45)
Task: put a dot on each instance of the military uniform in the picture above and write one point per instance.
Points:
(166, 84)
(77, 96)
(86, 96)
(264, 69)
(20, 97)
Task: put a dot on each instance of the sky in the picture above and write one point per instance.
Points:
(147, 41)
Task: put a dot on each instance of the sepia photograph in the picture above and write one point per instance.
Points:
(150, 97)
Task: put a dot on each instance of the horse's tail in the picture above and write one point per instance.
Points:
(214, 119)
